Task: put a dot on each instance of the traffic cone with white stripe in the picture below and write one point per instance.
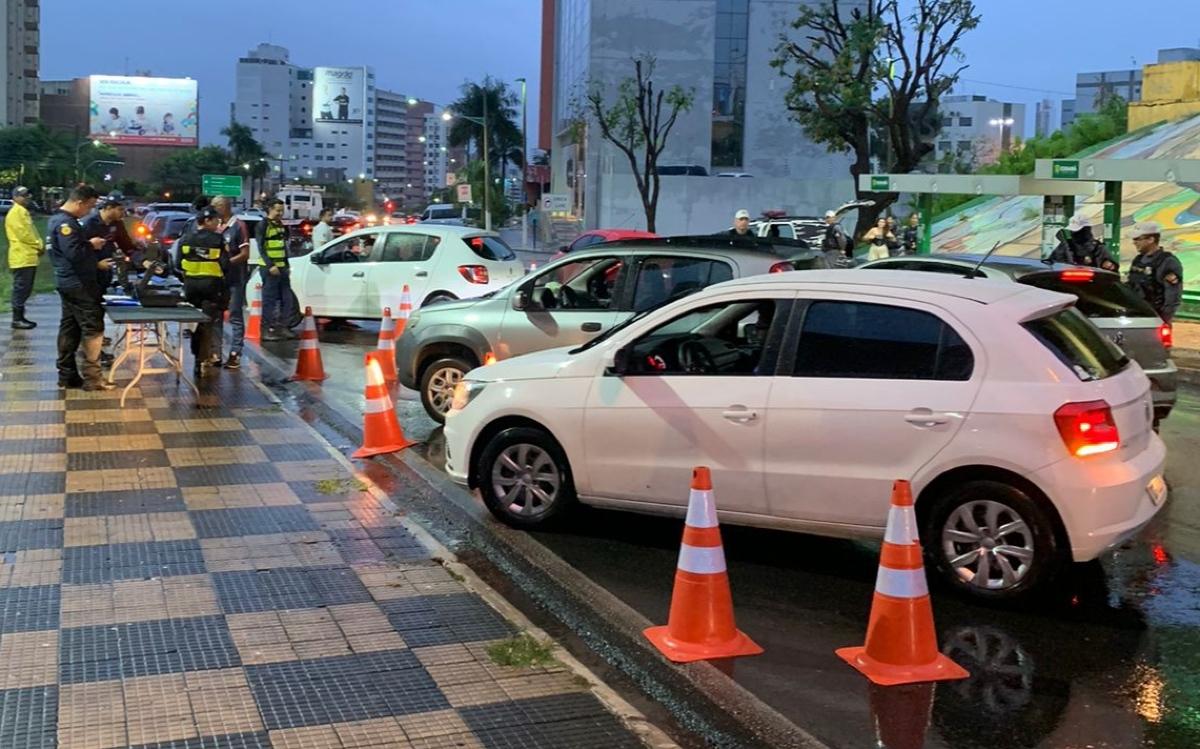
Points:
(700, 625)
(387, 346)
(254, 323)
(308, 358)
(901, 645)
(381, 429)
(405, 310)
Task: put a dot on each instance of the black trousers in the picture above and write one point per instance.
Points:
(82, 323)
(210, 296)
(22, 288)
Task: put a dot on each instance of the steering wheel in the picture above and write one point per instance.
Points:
(695, 359)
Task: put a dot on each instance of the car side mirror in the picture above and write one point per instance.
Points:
(521, 299)
(564, 249)
(620, 361)
(319, 259)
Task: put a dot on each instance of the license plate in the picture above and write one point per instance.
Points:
(1157, 489)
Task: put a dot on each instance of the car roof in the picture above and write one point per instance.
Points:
(442, 229)
(710, 246)
(983, 291)
(613, 234)
(1014, 266)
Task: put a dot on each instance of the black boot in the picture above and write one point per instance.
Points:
(19, 322)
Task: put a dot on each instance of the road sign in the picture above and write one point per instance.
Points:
(1064, 169)
(464, 193)
(880, 183)
(555, 202)
(229, 185)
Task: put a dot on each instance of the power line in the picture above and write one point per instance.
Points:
(1019, 88)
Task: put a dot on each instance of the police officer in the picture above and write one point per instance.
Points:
(1155, 274)
(107, 221)
(276, 274)
(1081, 248)
(237, 245)
(75, 276)
(741, 224)
(200, 253)
(834, 244)
(911, 236)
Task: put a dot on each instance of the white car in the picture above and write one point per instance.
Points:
(1026, 433)
(357, 275)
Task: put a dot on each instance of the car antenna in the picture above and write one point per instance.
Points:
(983, 260)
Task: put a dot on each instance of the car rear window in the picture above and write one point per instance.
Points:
(175, 227)
(1076, 342)
(1104, 296)
(490, 248)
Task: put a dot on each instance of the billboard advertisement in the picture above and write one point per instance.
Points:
(147, 111)
(339, 95)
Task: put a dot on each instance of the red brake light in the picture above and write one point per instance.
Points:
(1077, 275)
(781, 267)
(474, 273)
(1166, 335)
(1087, 428)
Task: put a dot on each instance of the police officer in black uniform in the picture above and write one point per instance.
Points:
(1155, 274)
(834, 243)
(1081, 248)
(107, 221)
(203, 259)
(910, 237)
(76, 267)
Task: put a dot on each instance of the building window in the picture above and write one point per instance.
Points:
(965, 121)
(944, 145)
(964, 146)
(729, 83)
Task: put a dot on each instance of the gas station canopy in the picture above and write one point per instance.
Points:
(1118, 170)
(974, 184)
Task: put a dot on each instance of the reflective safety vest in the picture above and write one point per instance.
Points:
(274, 249)
(201, 255)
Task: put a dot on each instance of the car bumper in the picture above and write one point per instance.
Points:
(1163, 384)
(457, 437)
(406, 352)
(1104, 504)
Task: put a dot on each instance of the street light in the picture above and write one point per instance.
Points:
(94, 143)
(487, 172)
(1002, 122)
(524, 168)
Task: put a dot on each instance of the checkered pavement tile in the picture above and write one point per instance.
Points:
(287, 588)
(95, 504)
(131, 561)
(28, 717)
(31, 568)
(214, 475)
(233, 496)
(29, 608)
(252, 521)
(298, 549)
(303, 634)
(127, 601)
(148, 648)
(130, 478)
(31, 507)
(226, 438)
(22, 535)
(105, 530)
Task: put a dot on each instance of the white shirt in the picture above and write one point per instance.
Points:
(322, 234)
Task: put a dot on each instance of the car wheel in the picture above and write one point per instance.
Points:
(438, 382)
(524, 478)
(991, 540)
(439, 297)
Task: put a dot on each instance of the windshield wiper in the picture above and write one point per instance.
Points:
(629, 321)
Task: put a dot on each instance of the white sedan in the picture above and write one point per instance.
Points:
(357, 275)
(1025, 432)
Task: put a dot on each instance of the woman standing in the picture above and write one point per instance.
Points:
(880, 238)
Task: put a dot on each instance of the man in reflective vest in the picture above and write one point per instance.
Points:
(200, 253)
(277, 309)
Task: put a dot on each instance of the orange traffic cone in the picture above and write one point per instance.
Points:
(381, 430)
(387, 346)
(700, 625)
(405, 310)
(901, 645)
(308, 358)
(254, 323)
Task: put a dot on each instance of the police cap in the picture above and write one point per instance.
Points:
(1146, 228)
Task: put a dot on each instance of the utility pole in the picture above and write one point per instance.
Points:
(524, 170)
(487, 172)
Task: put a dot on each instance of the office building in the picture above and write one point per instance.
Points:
(738, 123)
(976, 129)
(19, 71)
(1043, 119)
(1091, 89)
(391, 143)
(436, 152)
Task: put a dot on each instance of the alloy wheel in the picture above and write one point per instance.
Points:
(441, 387)
(525, 480)
(988, 544)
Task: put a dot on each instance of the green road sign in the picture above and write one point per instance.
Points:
(229, 185)
(881, 183)
(1064, 169)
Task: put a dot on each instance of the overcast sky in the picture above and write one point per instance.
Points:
(1024, 50)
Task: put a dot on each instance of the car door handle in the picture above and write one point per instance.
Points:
(422, 274)
(739, 414)
(360, 274)
(924, 417)
(591, 327)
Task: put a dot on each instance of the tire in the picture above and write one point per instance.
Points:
(437, 385)
(552, 477)
(439, 297)
(1032, 555)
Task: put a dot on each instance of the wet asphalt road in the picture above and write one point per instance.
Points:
(1112, 660)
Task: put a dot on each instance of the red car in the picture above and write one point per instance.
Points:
(599, 236)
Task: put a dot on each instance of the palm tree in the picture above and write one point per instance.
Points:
(503, 131)
(244, 149)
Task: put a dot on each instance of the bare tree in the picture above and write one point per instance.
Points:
(867, 65)
(637, 122)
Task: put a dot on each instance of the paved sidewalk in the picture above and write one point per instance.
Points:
(174, 576)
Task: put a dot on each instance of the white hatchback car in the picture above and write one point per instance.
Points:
(1026, 433)
(357, 275)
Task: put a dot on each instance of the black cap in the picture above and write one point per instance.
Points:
(206, 213)
(111, 199)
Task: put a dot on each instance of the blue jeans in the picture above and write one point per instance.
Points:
(277, 300)
(237, 312)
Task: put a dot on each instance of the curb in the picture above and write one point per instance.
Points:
(698, 696)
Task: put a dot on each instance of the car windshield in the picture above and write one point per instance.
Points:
(629, 321)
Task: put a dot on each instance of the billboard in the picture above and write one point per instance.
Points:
(147, 111)
(339, 95)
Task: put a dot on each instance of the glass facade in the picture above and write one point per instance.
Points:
(572, 54)
(729, 83)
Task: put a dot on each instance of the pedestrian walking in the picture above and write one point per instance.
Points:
(237, 275)
(322, 233)
(203, 259)
(1079, 247)
(75, 277)
(910, 238)
(276, 274)
(25, 248)
(835, 244)
(879, 239)
(1155, 274)
(741, 224)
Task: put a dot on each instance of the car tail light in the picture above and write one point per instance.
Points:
(474, 273)
(1166, 335)
(1077, 275)
(141, 230)
(489, 359)
(783, 267)
(1087, 428)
